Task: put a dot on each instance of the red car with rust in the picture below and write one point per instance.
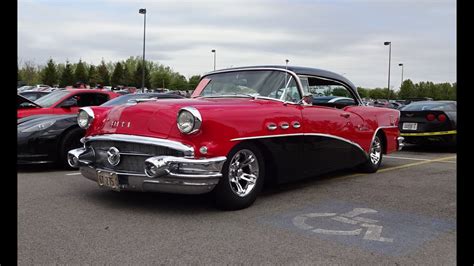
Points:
(243, 127)
(63, 102)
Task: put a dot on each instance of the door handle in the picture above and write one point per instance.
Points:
(346, 115)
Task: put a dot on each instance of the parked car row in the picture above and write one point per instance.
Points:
(242, 127)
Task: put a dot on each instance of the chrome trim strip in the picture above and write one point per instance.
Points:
(187, 150)
(269, 136)
(303, 134)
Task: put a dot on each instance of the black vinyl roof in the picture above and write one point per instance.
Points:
(300, 71)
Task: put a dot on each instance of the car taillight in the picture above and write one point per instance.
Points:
(441, 118)
(430, 117)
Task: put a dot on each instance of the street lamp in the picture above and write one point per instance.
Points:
(143, 11)
(402, 75)
(214, 51)
(389, 59)
(287, 63)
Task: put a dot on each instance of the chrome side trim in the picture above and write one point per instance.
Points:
(187, 150)
(303, 134)
(268, 136)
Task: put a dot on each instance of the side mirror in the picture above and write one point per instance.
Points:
(69, 103)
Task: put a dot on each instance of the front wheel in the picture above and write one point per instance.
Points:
(242, 178)
(375, 156)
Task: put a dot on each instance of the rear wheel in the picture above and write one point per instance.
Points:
(70, 140)
(375, 156)
(242, 178)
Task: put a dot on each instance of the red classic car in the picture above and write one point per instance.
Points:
(243, 127)
(63, 102)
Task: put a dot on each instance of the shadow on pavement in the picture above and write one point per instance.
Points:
(30, 168)
(433, 148)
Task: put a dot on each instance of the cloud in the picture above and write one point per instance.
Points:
(340, 35)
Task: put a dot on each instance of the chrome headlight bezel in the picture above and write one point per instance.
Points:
(194, 120)
(85, 117)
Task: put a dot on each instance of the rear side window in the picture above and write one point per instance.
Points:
(89, 99)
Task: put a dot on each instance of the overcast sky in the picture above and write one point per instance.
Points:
(343, 36)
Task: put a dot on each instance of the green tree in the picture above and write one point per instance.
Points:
(103, 74)
(378, 93)
(407, 90)
(67, 76)
(161, 78)
(50, 74)
(363, 92)
(178, 82)
(194, 81)
(30, 73)
(127, 78)
(93, 76)
(137, 77)
(117, 75)
(80, 74)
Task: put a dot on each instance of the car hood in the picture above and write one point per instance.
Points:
(36, 119)
(158, 118)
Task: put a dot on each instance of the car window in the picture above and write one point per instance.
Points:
(52, 98)
(268, 83)
(429, 106)
(327, 92)
(88, 99)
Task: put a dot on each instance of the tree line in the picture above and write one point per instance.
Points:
(129, 73)
(125, 73)
(436, 91)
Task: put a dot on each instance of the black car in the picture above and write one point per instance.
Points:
(48, 138)
(428, 121)
(33, 95)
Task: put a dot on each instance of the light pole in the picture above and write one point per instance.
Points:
(401, 83)
(287, 63)
(389, 59)
(214, 51)
(143, 11)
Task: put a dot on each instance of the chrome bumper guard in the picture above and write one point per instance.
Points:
(400, 143)
(162, 173)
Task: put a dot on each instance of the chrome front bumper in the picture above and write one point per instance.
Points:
(161, 173)
(400, 143)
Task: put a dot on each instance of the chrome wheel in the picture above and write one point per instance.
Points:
(376, 150)
(243, 172)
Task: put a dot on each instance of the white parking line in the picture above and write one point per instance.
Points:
(74, 174)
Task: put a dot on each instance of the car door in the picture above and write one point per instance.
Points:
(331, 129)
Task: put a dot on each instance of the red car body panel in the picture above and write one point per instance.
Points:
(55, 109)
(235, 118)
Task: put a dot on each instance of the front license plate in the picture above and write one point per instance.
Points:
(410, 126)
(108, 180)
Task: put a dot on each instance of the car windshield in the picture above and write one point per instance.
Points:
(252, 83)
(430, 106)
(52, 98)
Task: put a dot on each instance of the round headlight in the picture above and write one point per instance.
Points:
(189, 120)
(84, 118)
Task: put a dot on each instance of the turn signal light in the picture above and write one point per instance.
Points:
(441, 118)
(430, 117)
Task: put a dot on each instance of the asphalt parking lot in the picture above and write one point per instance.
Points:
(403, 214)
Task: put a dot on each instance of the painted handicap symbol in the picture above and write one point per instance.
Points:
(373, 231)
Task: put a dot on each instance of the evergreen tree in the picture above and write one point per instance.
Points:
(93, 76)
(117, 75)
(80, 74)
(103, 74)
(50, 74)
(67, 76)
(137, 77)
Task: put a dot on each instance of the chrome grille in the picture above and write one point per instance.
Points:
(132, 155)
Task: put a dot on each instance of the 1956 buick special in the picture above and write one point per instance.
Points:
(243, 127)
